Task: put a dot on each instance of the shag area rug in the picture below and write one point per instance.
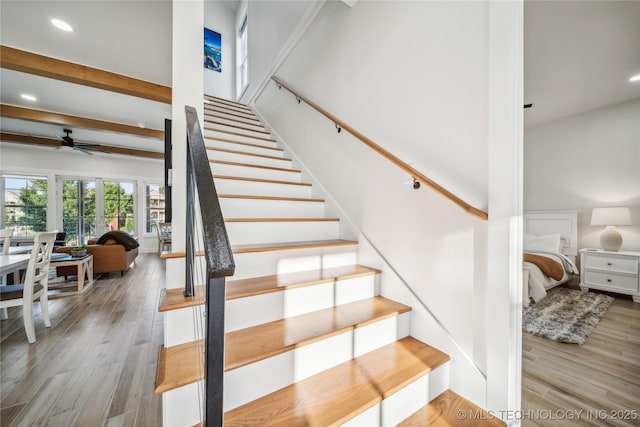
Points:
(565, 315)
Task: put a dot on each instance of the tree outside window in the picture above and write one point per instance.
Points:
(118, 206)
(25, 204)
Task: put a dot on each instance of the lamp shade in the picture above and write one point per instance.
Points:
(611, 216)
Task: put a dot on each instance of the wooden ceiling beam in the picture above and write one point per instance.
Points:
(15, 112)
(32, 63)
(54, 143)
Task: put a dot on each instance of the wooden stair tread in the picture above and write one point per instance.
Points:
(445, 410)
(279, 282)
(174, 299)
(310, 244)
(211, 114)
(216, 98)
(239, 134)
(249, 165)
(336, 395)
(214, 122)
(244, 153)
(179, 365)
(246, 144)
(230, 107)
(270, 339)
(276, 198)
(226, 104)
(302, 219)
(267, 181)
(176, 366)
(221, 110)
(268, 247)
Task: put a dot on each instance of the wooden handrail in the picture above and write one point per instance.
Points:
(480, 214)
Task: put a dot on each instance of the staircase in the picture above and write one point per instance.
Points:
(309, 340)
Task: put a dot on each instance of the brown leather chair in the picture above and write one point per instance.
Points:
(108, 257)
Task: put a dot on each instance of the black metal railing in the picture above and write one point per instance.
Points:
(205, 228)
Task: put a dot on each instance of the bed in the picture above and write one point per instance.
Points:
(550, 247)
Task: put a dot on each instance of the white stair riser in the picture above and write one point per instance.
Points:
(250, 311)
(242, 233)
(178, 325)
(253, 188)
(368, 418)
(269, 263)
(231, 120)
(265, 151)
(259, 173)
(210, 133)
(175, 273)
(248, 158)
(404, 402)
(304, 361)
(439, 380)
(380, 333)
(258, 379)
(181, 406)
(289, 261)
(236, 128)
(266, 208)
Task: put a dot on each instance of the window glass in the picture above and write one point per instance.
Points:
(155, 206)
(79, 211)
(25, 204)
(118, 206)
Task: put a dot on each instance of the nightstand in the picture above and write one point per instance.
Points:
(610, 271)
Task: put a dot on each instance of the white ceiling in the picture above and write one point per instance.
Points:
(579, 56)
(127, 37)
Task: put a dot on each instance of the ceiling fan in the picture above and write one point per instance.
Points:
(67, 141)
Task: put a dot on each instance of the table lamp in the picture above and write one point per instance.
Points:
(610, 239)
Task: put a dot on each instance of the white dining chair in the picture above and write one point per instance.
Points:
(5, 235)
(35, 284)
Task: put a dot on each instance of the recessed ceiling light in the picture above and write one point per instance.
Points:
(28, 97)
(62, 25)
(635, 78)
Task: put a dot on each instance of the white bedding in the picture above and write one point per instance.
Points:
(536, 283)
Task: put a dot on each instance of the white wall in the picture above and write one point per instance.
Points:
(270, 26)
(51, 163)
(219, 19)
(413, 76)
(586, 161)
(187, 89)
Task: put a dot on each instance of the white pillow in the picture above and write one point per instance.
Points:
(548, 243)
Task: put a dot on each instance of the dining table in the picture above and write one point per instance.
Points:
(10, 264)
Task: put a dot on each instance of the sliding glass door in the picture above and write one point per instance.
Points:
(79, 210)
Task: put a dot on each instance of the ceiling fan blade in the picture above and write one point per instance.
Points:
(100, 150)
(82, 150)
(84, 144)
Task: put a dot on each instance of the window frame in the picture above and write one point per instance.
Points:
(3, 204)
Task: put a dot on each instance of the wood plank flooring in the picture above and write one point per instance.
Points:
(96, 365)
(601, 376)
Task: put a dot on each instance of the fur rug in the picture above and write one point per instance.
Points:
(565, 315)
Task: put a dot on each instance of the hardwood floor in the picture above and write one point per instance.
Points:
(600, 378)
(96, 365)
